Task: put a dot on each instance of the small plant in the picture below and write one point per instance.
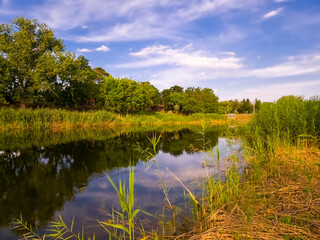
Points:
(56, 230)
(125, 220)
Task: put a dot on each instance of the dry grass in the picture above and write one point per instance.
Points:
(283, 204)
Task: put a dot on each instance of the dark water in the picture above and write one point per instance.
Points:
(46, 175)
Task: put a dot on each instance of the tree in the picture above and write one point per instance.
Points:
(4, 81)
(151, 95)
(257, 105)
(165, 96)
(234, 105)
(28, 50)
(209, 101)
(177, 99)
(190, 106)
(36, 69)
(100, 74)
(224, 107)
(245, 106)
(176, 88)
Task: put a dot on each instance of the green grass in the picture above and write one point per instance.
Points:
(23, 119)
(279, 188)
(123, 220)
(290, 118)
(160, 117)
(57, 119)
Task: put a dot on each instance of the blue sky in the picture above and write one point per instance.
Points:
(240, 48)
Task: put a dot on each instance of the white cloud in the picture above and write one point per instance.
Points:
(61, 13)
(272, 13)
(83, 50)
(161, 54)
(131, 31)
(271, 92)
(130, 19)
(294, 66)
(215, 67)
(103, 48)
(84, 26)
(199, 8)
(228, 53)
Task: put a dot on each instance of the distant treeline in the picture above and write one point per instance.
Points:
(37, 71)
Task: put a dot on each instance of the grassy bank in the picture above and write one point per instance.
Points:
(278, 196)
(58, 119)
(54, 119)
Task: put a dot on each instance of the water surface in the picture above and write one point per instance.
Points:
(44, 175)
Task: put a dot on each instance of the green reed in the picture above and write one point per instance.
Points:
(289, 119)
(56, 230)
(21, 119)
(125, 219)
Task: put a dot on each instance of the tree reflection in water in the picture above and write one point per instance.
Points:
(37, 179)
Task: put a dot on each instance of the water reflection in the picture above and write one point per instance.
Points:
(41, 179)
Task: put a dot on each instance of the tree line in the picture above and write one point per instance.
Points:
(36, 70)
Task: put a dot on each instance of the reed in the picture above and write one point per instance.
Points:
(40, 119)
(290, 119)
(125, 219)
(278, 195)
(56, 230)
(56, 119)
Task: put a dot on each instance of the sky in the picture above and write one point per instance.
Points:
(261, 49)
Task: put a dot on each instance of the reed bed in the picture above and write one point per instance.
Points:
(57, 119)
(278, 196)
(156, 118)
(285, 205)
(24, 119)
(290, 118)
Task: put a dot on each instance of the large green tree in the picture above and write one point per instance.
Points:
(35, 68)
(127, 95)
(28, 50)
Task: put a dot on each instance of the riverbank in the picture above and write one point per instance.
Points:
(278, 195)
(16, 120)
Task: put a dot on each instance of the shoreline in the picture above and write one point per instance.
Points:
(56, 120)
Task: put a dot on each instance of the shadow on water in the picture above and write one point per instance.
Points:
(43, 173)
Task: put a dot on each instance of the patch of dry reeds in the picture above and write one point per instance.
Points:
(284, 203)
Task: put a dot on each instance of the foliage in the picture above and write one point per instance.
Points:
(125, 219)
(60, 119)
(192, 100)
(36, 70)
(292, 118)
(126, 95)
(22, 119)
(57, 230)
(245, 106)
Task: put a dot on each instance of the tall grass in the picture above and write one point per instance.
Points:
(290, 118)
(125, 220)
(160, 118)
(38, 119)
(56, 230)
(278, 196)
(22, 119)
